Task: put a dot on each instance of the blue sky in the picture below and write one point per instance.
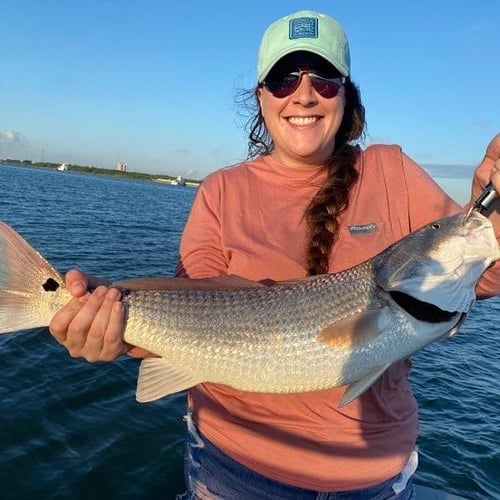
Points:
(153, 83)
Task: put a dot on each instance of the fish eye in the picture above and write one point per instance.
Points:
(435, 225)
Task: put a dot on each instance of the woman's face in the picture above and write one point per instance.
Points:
(302, 125)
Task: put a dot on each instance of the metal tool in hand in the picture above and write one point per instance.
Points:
(485, 200)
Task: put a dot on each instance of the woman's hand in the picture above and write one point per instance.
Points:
(489, 170)
(91, 325)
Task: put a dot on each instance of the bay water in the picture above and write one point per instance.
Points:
(73, 430)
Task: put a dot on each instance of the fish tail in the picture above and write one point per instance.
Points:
(30, 288)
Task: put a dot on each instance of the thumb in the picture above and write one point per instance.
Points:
(483, 171)
(493, 149)
(76, 282)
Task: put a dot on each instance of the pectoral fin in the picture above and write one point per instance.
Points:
(158, 378)
(357, 330)
(357, 388)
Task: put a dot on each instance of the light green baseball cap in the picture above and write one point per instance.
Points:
(304, 30)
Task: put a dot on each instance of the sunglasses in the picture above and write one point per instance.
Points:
(288, 84)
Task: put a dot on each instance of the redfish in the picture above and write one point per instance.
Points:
(342, 329)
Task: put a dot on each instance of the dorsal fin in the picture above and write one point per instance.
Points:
(169, 283)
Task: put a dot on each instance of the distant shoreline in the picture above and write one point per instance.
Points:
(168, 179)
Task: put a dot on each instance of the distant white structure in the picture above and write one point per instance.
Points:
(121, 166)
(179, 181)
(62, 167)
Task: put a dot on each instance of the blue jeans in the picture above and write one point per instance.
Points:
(211, 474)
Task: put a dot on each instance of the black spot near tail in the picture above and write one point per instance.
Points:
(50, 285)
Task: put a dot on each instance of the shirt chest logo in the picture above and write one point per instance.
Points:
(357, 229)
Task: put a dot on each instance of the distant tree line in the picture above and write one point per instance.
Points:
(93, 170)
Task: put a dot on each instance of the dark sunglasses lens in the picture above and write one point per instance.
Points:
(325, 88)
(284, 86)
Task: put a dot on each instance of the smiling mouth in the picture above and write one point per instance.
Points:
(302, 120)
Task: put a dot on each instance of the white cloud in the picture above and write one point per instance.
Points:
(12, 138)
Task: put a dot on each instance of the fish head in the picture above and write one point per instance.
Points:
(440, 263)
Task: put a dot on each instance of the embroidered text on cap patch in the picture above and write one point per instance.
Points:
(303, 27)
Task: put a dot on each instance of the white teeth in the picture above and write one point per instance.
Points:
(302, 120)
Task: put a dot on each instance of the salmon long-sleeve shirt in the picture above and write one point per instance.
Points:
(248, 220)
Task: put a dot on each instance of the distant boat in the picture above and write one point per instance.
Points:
(62, 167)
(179, 181)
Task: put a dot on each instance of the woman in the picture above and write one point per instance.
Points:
(309, 201)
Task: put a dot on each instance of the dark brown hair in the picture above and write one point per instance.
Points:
(333, 197)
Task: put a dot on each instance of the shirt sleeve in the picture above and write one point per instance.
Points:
(201, 252)
(426, 199)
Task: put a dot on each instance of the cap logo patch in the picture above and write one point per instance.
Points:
(303, 27)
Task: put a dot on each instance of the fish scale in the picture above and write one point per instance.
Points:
(245, 313)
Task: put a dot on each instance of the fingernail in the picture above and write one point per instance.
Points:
(84, 298)
(114, 294)
(78, 288)
(101, 291)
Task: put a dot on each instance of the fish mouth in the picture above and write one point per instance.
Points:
(420, 310)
